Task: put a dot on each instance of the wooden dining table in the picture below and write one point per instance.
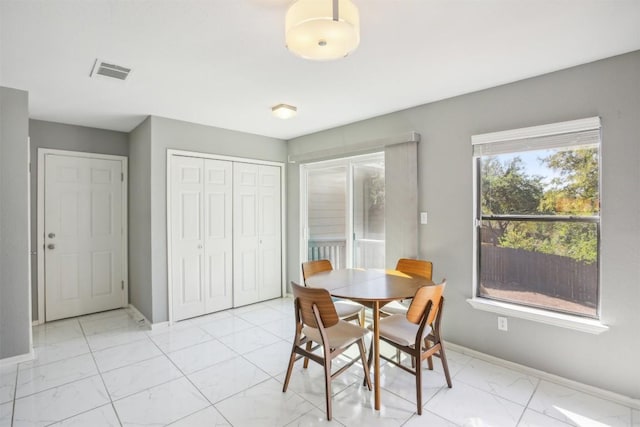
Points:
(373, 288)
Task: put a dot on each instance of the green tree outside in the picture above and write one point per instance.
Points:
(508, 189)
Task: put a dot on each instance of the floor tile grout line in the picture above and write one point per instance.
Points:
(128, 364)
(186, 377)
(493, 393)
(15, 392)
(196, 412)
(104, 384)
(16, 397)
(464, 363)
(535, 389)
(91, 409)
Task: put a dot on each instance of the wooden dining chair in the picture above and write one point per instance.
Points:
(347, 310)
(317, 322)
(417, 333)
(415, 267)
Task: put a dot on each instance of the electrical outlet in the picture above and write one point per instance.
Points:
(423, 218)
(502, 324)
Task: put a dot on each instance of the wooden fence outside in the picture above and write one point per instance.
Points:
(552, 275)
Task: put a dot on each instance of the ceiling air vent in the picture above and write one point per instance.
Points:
(105, 69)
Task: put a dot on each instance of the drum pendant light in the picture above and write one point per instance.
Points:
(322, 30)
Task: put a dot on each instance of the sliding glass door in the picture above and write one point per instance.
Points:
(343, 211)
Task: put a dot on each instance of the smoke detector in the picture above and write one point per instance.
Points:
(102, 69)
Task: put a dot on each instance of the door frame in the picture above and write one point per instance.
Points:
(283, 212)
(42, 152)
(348, 162)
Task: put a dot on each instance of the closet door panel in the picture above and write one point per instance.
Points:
(270, 246)
(218, 232)
(246, 274)
(187, 237)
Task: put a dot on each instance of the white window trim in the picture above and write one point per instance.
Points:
(547, 317)
(577, 323)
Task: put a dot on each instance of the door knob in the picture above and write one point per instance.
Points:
(51, 246)
(52, 235)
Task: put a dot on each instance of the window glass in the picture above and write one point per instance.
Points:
(538, 230)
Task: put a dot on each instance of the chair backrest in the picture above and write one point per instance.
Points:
(310, 268)
(306, 298)
(420, 303)
(417, 267)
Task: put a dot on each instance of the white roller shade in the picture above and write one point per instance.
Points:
(572, 134)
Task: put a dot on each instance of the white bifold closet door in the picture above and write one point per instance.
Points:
(257, 247)
(201, 236)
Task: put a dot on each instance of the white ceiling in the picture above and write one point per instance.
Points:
(223, 62)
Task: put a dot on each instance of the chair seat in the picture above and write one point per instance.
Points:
(398, 329)
(340, 335)
(347, 308)
(395, 307)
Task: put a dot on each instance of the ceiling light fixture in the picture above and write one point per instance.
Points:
(322, 30)
(284, 111)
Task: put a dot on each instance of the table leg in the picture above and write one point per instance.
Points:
(376, 354)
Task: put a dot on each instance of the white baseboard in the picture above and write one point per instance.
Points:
(594, 391)
(138, 316)
(159, 325)
(17, 359)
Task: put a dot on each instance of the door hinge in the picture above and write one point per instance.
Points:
(122, 176)
(122, 282)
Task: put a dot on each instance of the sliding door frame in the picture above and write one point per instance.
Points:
(348, 162)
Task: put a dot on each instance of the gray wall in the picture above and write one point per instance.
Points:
(15, 321)
(173, 134)
(610, 89)
(140, 242)
(71, 138)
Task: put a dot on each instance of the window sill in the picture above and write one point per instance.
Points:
(568, 321)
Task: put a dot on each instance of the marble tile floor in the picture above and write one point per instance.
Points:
(227, 369)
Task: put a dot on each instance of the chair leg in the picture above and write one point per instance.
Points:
(369, 361)
(305, 365)
(445, 365)
(365, 363)
(327, 384)
(429, 359)
(418, 361)
(292, 360)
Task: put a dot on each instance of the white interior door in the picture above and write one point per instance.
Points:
(83, 227)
